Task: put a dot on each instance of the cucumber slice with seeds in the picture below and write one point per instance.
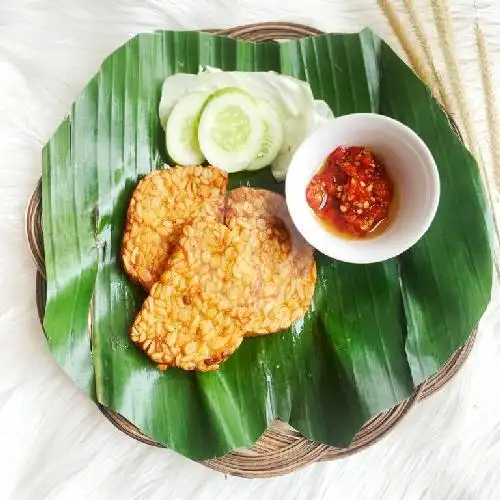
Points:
(182, 129)
(273, 135)
(230, 129)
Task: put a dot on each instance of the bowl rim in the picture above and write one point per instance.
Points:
(392, 250)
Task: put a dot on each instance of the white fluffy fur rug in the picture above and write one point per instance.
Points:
(54, 443)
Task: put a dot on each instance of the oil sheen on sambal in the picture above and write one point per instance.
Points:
(352, 193)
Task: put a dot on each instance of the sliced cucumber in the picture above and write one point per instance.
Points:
(273, 135)
(230, 129)
(182, 129)
(174, 88)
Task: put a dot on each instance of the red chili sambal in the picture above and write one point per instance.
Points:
(352, 193)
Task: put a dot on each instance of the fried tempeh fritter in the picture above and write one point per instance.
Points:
(281, 260)
(186, 321)
(161, 204)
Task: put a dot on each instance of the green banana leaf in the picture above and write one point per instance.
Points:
(373, 333)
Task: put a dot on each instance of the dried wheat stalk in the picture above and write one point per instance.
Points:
(492, 121)
(441, 13)
(408, 48)
(425, 46)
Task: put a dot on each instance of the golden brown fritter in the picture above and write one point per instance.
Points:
(161, 204)
(186, 321)
(280, 258)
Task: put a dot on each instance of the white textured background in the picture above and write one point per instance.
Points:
(54, 443)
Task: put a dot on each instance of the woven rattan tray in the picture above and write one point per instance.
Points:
(280, 449)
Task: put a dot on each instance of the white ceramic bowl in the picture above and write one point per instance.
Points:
(409, 164)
